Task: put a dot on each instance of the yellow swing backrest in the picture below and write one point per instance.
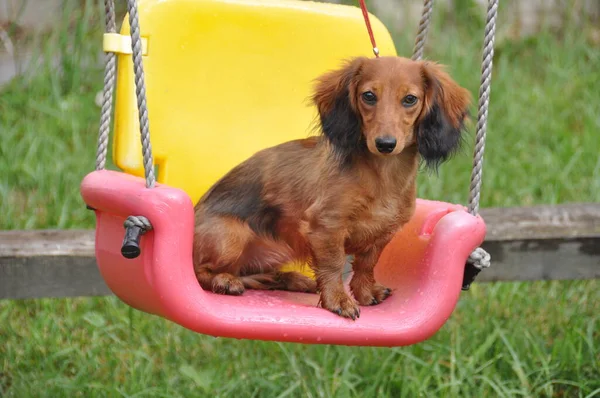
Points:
(227, 78)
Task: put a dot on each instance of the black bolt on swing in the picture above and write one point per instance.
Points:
(135, 227)
(131, 242)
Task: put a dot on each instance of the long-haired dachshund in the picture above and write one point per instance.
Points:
(344, 192)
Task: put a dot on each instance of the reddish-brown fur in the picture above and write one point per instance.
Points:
(319, 199)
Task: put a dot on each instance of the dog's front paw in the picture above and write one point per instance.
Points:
(369, 293)
(227, 284)
(340, 303)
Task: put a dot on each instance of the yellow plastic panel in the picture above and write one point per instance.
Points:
(226, 78)
(120, 44)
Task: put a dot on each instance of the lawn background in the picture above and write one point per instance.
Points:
(504, 339)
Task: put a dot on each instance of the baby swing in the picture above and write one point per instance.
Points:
(223, 79)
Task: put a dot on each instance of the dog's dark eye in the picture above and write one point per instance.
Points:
(409, 100)
(369, 97)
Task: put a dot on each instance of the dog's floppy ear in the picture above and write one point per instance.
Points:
(335, 98)
(440, 125)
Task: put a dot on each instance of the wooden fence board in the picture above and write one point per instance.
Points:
(526, 243)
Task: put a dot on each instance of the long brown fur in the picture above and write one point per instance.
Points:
(320, 199)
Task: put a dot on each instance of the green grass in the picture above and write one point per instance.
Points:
(518, 339)
(504, 339)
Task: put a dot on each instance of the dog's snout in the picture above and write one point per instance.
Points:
(385, 144)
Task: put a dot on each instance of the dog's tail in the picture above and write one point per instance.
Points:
(276, 280)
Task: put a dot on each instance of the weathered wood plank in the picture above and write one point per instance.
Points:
(537, 222)
(47, 242)
(50, 276)
(542, 259)
(535, 243)
(49, 263)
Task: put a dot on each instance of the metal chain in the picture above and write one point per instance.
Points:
(422, 31)
(484, 101)
(107, 95)
(140, 91)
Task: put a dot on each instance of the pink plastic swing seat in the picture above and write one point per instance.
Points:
(423, 265)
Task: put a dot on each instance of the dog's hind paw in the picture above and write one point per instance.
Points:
(227, 284)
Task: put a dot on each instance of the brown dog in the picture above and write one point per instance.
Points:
(347, 191)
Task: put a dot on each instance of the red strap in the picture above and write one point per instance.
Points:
(363, 7)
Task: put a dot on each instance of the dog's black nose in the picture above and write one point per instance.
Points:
(385, 144)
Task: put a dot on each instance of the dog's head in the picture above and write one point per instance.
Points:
(386, 104)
